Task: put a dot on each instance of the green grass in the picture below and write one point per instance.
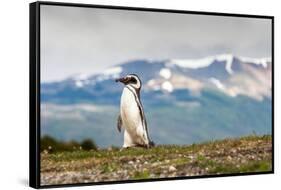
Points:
(245, 154)
(141, 175)
(255, 166)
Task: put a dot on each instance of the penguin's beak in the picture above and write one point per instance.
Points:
(123, 80)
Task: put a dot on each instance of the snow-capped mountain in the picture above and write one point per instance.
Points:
(195, 100)
(226, 73)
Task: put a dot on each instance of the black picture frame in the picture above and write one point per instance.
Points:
(34, 90)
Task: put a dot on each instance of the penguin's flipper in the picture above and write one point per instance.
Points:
(119, 123)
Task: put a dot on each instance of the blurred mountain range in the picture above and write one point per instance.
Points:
(185, 101)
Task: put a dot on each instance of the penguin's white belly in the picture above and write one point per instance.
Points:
(130, 114)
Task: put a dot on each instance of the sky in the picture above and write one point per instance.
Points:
(88, 40)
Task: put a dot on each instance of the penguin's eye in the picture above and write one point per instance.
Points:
(133, 80)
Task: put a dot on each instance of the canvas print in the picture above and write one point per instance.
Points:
(144, 95)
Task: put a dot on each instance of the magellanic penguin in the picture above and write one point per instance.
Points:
(132, 118)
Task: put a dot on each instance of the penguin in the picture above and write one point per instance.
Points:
(131, 117)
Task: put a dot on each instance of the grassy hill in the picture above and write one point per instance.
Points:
(246, 154)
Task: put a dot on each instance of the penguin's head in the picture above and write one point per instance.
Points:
(131, 80)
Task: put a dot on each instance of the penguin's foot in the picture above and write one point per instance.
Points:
(127, 147)
(151, 144)
(124, 148)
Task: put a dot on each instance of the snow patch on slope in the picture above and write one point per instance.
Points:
(227, 58)
(165, 73)
(217, 83)
(79, 84)
(167, 86)
(153, 84)
(191, 63)
(204, 62)
(257, 61)
(83, 76)
(113, 71)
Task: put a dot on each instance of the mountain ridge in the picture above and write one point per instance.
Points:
(225, 73)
